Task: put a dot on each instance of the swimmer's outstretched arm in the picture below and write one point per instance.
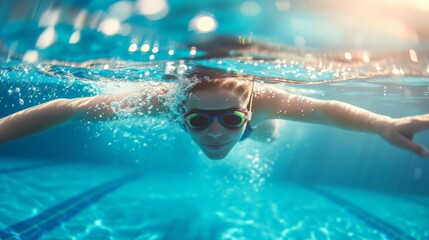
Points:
(277, 104)
(48, 115)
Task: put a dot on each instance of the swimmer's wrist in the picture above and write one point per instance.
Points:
(381, 125)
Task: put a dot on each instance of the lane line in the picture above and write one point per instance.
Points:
(24, 168)
(415, 201)
(389, 230)
(35, 227)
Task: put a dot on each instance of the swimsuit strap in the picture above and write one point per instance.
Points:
(248, 131)
(249, 109)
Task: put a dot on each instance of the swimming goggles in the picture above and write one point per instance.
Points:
(231, 118)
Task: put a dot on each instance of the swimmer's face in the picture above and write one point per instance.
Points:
(215, 141)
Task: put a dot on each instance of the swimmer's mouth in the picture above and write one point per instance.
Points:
(215, 146)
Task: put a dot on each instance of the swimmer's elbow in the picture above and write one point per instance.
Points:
(60, 110)
(90, 109)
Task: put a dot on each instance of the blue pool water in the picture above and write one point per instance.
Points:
(145, 179)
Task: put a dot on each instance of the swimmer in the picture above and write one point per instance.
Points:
(219, 111)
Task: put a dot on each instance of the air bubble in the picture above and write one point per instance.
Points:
(182, 69)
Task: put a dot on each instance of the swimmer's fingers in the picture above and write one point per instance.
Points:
(406, 142)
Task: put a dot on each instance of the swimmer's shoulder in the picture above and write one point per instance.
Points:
(266, 100)
(149, 97)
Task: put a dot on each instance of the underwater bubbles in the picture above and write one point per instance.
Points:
(47, 38)
(75, 37)
(121, 10)
(203, 23)
(132, 48)
(31, 56)
(145, 47)
(193, 51)
(110, 26)
(182, 68)
(153, 9)
(250, 8)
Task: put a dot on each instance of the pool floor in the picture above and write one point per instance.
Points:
(66, 200)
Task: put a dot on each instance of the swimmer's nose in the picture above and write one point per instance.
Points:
(215, 129)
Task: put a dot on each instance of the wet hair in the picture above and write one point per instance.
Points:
(213, 79)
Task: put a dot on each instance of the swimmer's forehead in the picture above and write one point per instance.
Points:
(213, 100)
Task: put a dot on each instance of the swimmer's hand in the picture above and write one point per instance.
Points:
(400, 132)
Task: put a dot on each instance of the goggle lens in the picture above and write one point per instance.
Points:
(235, 119)
(201, 120)
(198, 120)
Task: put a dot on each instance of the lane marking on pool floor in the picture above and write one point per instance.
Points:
(414, 200)
(389, 230)
(35, 227)
(30, 167)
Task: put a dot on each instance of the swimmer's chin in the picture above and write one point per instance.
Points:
(217, 154)
(216, 158)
